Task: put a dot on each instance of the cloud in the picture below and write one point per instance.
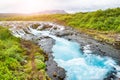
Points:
(68, 5)
(88, 5)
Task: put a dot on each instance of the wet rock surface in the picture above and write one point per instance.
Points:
(46, 43)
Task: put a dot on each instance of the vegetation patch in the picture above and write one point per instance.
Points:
(20, 59)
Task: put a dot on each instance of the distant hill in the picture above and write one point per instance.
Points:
(37, 13)
(52, 12)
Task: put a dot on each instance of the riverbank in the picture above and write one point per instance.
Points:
(108, 37)
(20, 59)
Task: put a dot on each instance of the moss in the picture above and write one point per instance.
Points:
(40, 64)
(28, 67)
(39, 56)
(118, 29)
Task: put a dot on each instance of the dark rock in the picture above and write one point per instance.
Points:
(117, 44)
(34, 26)
(55, 28)
(54, 74)
(111, 75)
(64, 33)
(46, 57)
(69, 39)
(47, 26)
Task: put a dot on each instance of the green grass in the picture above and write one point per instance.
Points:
(10, 56)
(14, 59)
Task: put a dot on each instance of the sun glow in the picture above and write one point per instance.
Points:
(31, 6)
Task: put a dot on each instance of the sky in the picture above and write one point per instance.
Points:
(71, 6)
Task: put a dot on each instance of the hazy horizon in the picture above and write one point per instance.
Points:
(70, 6)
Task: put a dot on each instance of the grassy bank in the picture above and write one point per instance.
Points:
(20, 60)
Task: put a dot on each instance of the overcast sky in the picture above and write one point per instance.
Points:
(29, 6)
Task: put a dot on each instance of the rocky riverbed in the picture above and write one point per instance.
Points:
(46, 43)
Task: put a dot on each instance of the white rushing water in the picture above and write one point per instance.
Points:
(79, 64)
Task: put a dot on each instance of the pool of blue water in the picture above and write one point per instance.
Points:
(79, 65)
